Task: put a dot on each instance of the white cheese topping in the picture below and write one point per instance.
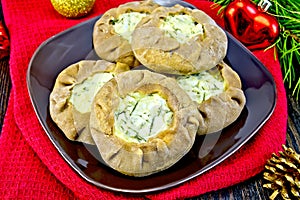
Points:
(140, 117)
(83, 93)
(125, 24)
(202, 86)
(181, 27)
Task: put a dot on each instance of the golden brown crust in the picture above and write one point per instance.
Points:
(73, 123)
(161, 53)
(221, 110)
(108, 44)
(160, 151)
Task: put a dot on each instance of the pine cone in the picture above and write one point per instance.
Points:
(283, 174)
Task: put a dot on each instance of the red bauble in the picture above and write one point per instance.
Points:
(250, 24)
(4, 42)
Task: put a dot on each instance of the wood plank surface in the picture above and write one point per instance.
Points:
(5, 86)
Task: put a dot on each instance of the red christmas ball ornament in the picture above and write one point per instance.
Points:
(4, 41)
(250, 24)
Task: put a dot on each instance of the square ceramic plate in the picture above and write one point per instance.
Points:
(75, 44)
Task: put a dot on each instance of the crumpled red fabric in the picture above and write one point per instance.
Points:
(31, 167)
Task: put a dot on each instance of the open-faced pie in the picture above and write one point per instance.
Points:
(73, 93)
(178, 40)
(112, 32)
(143, 122)
(218, 94)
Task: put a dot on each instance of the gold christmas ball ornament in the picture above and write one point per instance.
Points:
(73, 8)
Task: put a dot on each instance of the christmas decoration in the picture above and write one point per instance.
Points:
(250, 24)
(283, 173)
(288, 43)
(4, 42)
(73, 8)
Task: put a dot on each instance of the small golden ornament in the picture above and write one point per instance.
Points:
(283, 173)
(73, 8)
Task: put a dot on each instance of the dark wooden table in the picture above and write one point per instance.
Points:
(250, 189)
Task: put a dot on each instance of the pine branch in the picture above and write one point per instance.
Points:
(222, 3)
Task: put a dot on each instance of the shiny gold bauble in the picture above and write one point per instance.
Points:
(73, 8)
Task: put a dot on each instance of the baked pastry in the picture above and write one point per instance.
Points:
(218, 94)
(143, 122)
(73, 92)
(179, 40)
(112, 32)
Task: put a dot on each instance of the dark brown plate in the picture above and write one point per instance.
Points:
(75, 44)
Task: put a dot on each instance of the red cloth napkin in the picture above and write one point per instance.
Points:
(31, 167)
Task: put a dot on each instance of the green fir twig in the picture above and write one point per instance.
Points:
(222, 4)
(288, 42)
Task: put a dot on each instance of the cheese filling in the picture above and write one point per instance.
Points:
(181, 27)
(140, 117)
(202, 86)
(125, 24)
(83, 93)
